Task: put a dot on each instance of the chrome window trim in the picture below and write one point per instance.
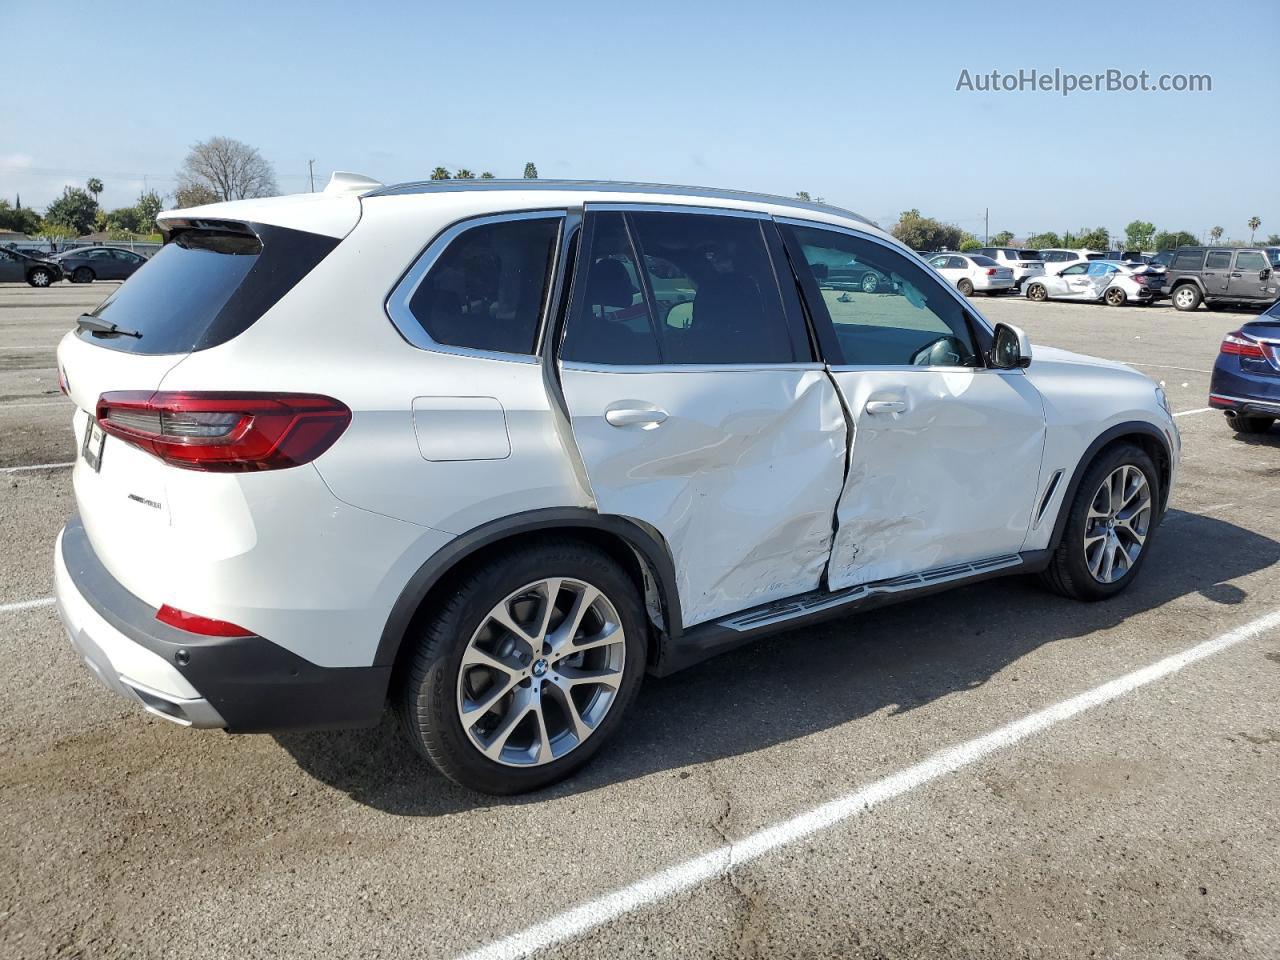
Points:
(585, 367)
(415, 334)
(636, 207)
(913, 368)
(902, 252)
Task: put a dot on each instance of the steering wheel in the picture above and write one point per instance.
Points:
(946, 351)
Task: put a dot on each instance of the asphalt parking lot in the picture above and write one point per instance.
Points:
(1139, 821)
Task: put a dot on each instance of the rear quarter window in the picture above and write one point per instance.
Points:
(206, 286)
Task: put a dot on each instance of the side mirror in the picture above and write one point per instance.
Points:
(1264, 274)
(1011, 349)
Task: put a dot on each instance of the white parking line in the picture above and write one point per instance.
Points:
(674, 880)
(26, 604)
(1163, 366)
(38, 466)
(1187, 413)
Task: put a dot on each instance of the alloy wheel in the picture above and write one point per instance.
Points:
(1184, 297)
(541, 672)
(40, 279)
(870, 283)
(1117, 524)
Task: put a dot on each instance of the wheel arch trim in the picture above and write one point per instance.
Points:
(1106, 438)
(647, 544)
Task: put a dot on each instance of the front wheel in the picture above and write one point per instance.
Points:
(1109, 527)
(965, 287)
(1242, 424)
(40, 277)
(1037, 292)
(1115, 297)
(526, 670)
(870, 283)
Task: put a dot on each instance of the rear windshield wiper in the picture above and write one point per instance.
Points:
(104, 328)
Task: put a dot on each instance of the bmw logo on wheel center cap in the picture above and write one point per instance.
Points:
(539, 668)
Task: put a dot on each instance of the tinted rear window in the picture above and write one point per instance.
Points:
(1188, 260)
(1028, 254)
(983, 261)
(206, 286)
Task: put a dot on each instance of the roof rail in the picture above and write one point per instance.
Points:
(607, 186)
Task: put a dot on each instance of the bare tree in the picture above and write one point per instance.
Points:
(227, 168)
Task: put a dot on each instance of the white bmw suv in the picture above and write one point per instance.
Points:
(490, 451)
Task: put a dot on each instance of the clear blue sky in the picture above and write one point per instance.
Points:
(855, 102)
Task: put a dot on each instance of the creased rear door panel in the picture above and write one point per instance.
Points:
(741, 478)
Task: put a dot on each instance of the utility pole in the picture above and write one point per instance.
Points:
(986, 227)
(311, 172)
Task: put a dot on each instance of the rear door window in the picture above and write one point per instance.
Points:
(1218, 260)
(708, 293)
(1188, 260)
(206, 286)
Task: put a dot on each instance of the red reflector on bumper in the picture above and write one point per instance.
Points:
(205, 626)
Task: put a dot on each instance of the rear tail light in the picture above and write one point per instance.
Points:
(991, 271)
(1241, 345)
(62, 382)
(205, 626)
(225, 432)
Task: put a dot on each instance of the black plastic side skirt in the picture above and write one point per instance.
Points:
(707, 640)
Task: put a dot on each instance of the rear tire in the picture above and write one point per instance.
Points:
(1186, 296)
(82, 275)
(40, 277)
(965, 286)
(1115, 297)
(1078, 568)
(1250, 424)
(1037, 292)
(870, 283)
(536, 670)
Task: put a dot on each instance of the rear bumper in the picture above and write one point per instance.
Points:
(242, 684)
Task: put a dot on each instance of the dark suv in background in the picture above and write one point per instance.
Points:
(1226, 276)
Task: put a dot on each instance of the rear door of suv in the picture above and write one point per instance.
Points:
(697, 403)
(945, 455)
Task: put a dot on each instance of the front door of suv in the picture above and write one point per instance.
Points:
(697, 405)
(1251, 277)
(945, 458)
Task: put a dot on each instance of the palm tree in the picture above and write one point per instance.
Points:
(463, 174)
(1254, 224)
(94, 186)
(1216, 234)
(440, 173)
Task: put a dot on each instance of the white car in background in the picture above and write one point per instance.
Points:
(1110, 281)
(1025, 264)
(968, 272)
(1057, 259)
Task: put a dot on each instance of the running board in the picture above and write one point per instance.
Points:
(784, 610)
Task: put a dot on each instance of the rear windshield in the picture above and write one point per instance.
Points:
(206, 286)
(1028, 254)
(983, 261)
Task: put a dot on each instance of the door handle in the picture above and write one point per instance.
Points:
(634, 416)
(885, 406)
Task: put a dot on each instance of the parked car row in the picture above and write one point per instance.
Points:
(1190, 276)
(81, 265)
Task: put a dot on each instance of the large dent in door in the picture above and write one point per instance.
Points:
(741, 482)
